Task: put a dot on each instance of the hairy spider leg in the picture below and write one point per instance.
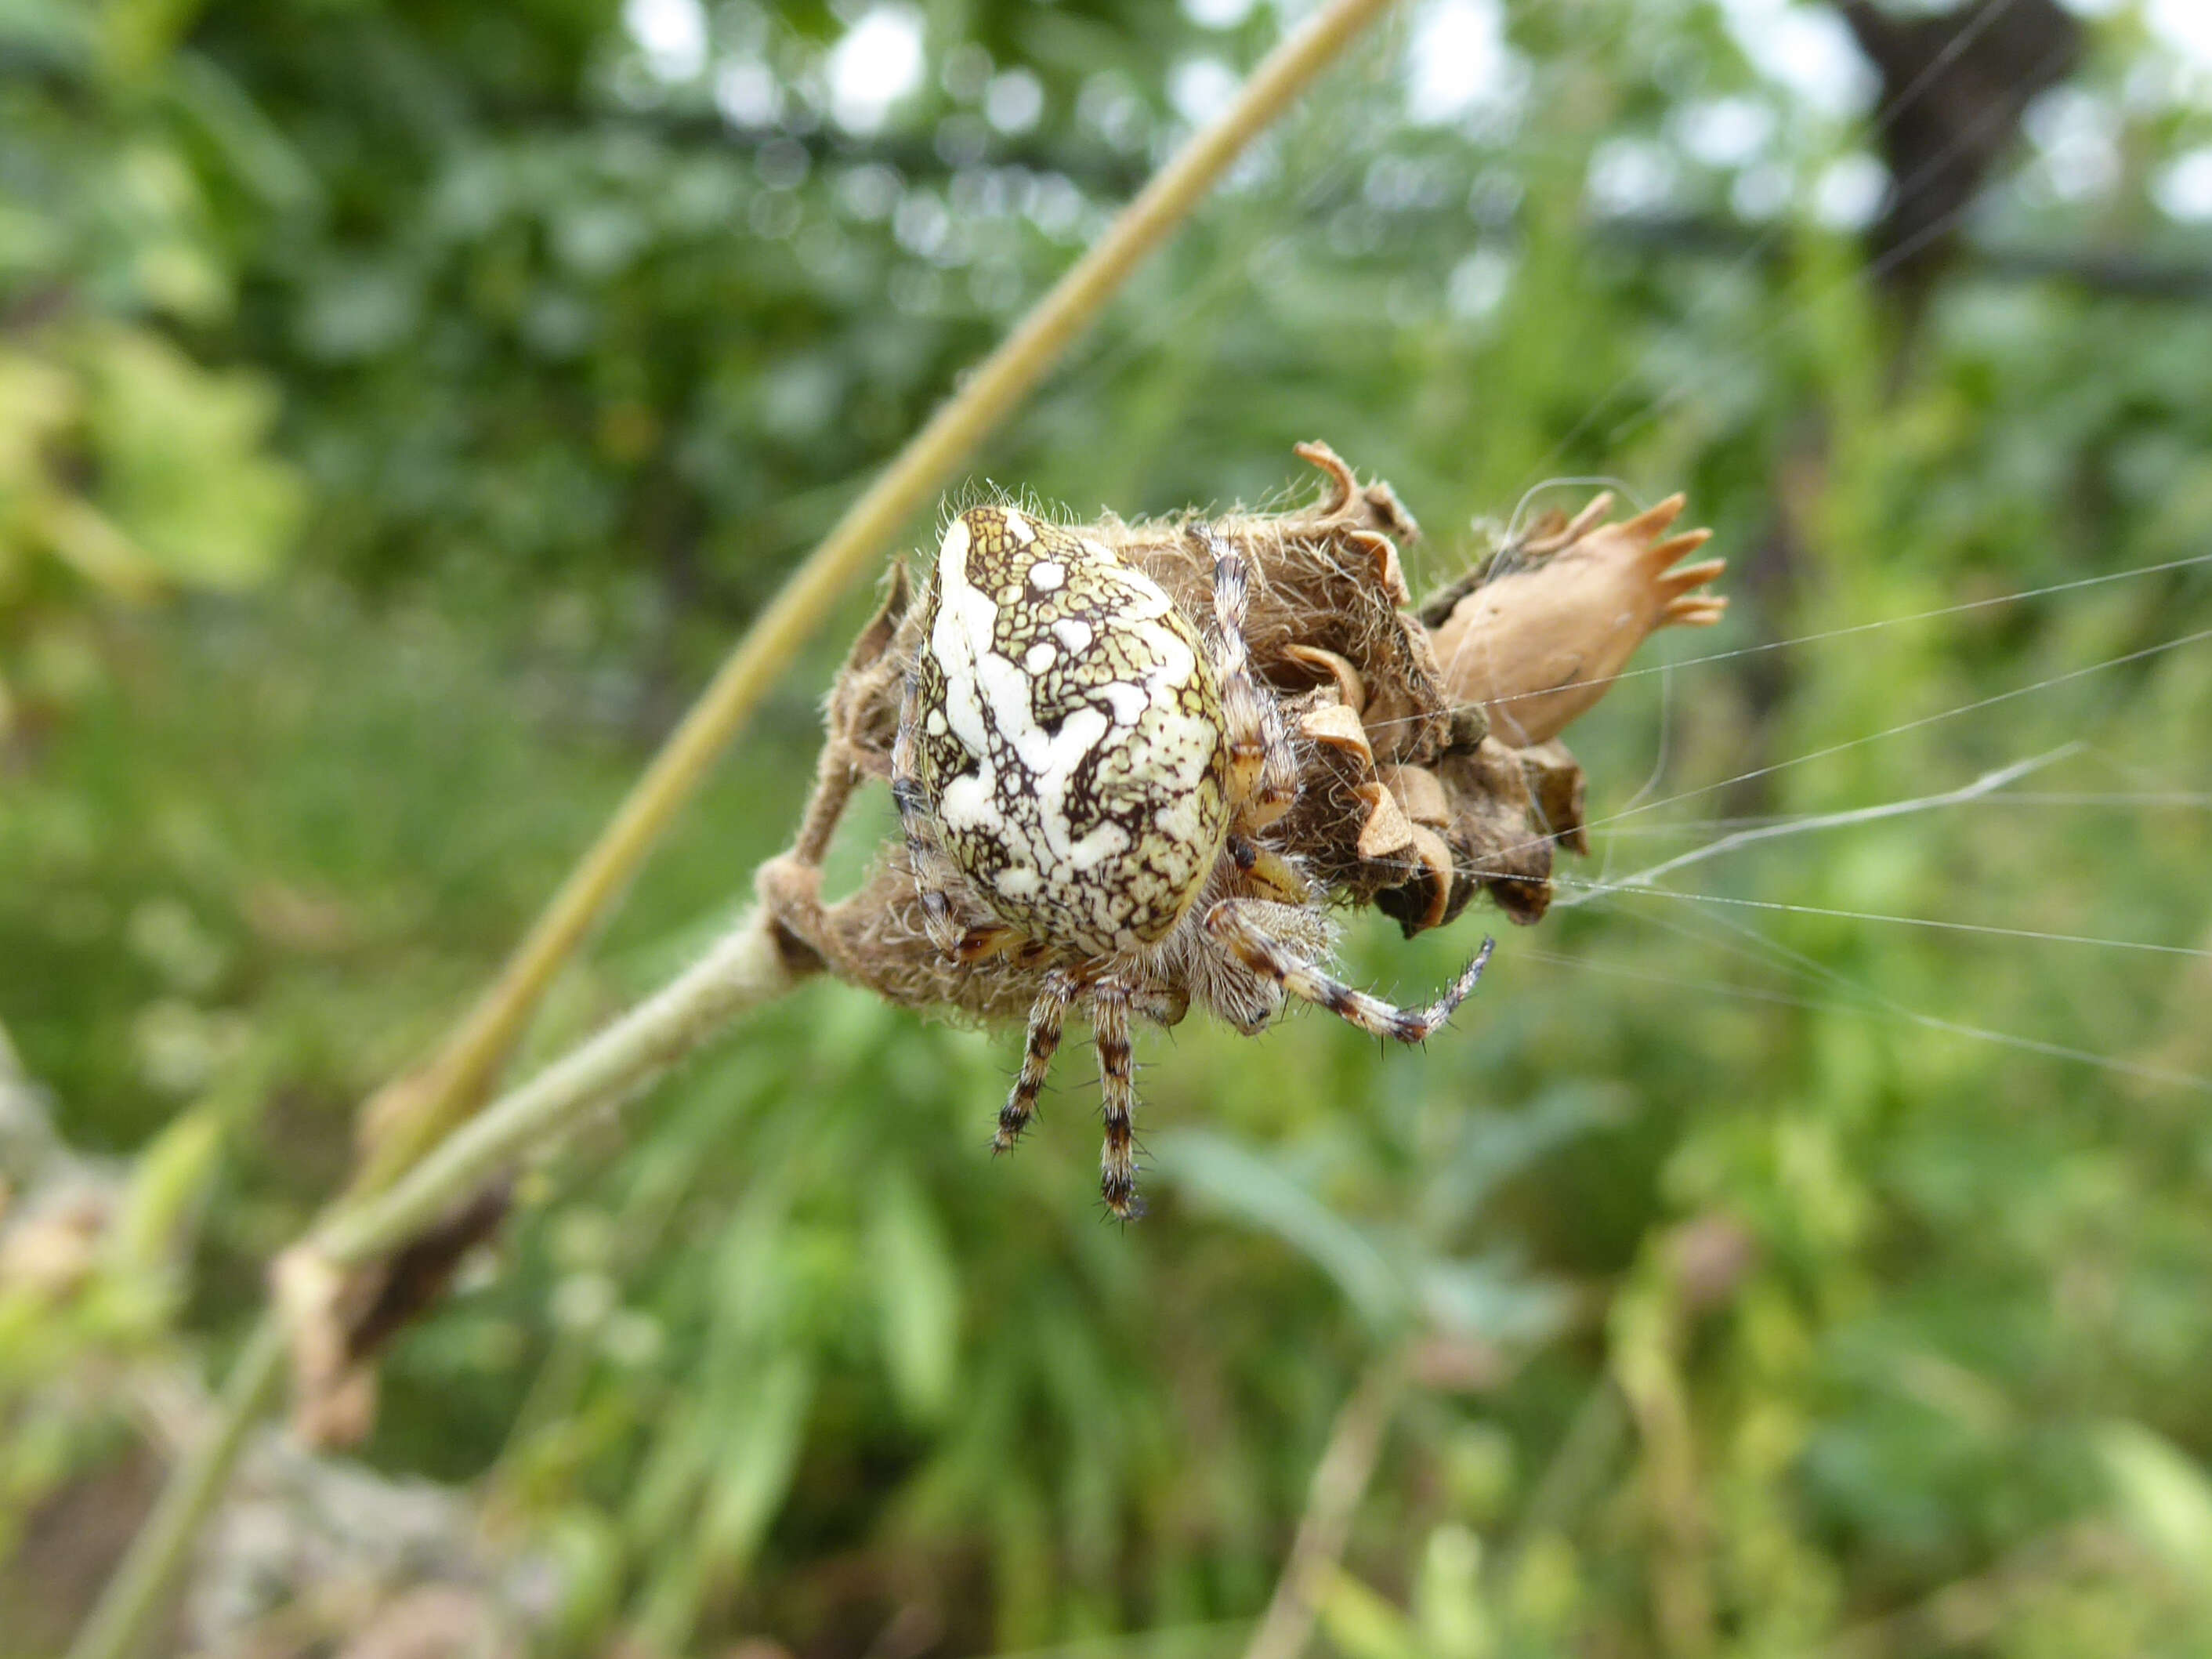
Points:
(1231, 924)
(1263, 773)
(1047, 1014)
(1117, 1161)
(936, 878)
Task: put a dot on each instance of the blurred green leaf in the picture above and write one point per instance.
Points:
(1364, 1626)
(153, 1232)
(918, 1291)
(2164, 1498)
(178, 449)
(1231, 1179)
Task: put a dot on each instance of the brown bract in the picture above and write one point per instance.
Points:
(1543, 631)
(339, 1320)
(1429, 771)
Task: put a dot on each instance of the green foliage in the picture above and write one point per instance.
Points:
(1822, 1277)
(128, 466)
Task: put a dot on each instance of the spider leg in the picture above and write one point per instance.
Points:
(1047, 1014)
(1117, 1162)
(1231, 924)
(1263, 776)
(936, 878)
(994, 939)
(1269, 874)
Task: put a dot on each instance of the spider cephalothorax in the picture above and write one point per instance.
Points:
(1087, 783)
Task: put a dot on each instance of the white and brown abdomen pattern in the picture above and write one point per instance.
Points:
(1068, 735)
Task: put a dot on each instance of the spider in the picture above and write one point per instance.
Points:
(1085, 783)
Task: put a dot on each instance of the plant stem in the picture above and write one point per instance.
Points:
(133, 1598)
(465, 1068)
(1339, 1481)
(743, 970)
(462, 1073)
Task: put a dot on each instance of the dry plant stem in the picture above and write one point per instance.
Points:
(465, 1067)
(1649, 1334)
(1593, 1438)
(462, 1071)
(1340, 1482)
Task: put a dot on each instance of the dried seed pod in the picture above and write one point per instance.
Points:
(1542, 632)
(1499, 840)
(1555, 784)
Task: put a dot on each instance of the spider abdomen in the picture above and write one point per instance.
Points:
(1067, 733)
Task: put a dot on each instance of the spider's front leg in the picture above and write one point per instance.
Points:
(1047, 1015)
(1235, 926)
(936, 878)
(1117, 1161)
(1263, 769)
